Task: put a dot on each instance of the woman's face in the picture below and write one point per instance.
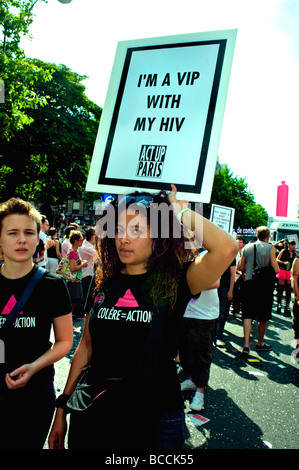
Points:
(133, 242)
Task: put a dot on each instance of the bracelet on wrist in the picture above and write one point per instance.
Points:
(61, 402)
(180, 214)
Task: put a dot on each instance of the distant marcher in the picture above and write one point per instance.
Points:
(76, 265)
(66, 244)
(39, 254)
(285, 260)
(42, 235)
(225, 294)
(239, 280)
(54, 252)
(88, 253)
(258, 296)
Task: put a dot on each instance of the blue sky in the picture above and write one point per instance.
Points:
(260, 135)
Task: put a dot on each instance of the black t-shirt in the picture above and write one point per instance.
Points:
(225, 278)
(286, 257)
(29, 337)
(121, 318)
(40, 247)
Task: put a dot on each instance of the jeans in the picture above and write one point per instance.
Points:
(129, 432)
(172, 431)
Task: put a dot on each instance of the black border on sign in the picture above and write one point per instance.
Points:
(230, 217)
(208, 128)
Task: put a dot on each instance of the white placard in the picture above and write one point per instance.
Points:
(223, 217)
(163, 114)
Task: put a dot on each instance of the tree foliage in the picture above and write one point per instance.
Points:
(17, 73)
(231, 191)
(49, 158)
(48, 125)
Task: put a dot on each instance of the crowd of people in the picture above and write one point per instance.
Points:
(242, 292)
(78, 246)
(150, 302)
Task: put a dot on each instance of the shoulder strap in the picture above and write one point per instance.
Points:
(254, 259)
(22, 300)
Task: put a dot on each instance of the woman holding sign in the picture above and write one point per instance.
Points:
(123, 390)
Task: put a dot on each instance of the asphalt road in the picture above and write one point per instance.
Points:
(249, 404)
(253, 403)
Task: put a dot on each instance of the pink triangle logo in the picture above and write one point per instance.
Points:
(128, 300)
(9, 306)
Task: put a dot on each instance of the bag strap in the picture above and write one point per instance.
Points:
(254, 259)
(22, 300)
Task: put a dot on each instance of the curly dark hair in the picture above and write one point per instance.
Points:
(168, 254)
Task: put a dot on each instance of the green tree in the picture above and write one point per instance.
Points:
(17, 73)
(231, 191)
(50, 158)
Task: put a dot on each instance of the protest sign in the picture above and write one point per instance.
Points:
(163, 114)
(223, 217)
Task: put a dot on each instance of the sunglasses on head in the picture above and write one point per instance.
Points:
(140, 200)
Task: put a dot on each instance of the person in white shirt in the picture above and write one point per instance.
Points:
(88, 253)
(66, 244)
(197, 335)
(42, 235)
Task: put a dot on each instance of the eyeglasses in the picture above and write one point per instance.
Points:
(140, 200)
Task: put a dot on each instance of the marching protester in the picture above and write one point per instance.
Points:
(88, 253)
(27, 395)
(258, 295)
(54, 251)
(125, 359)
(76, 265)
(285, 261)
(225, 293)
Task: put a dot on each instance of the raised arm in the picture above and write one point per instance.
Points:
(273, 260)
(221, 247)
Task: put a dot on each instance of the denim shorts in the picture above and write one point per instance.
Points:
(172, 431)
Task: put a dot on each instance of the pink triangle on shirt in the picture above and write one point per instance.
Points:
(9, 306)
(128, 300)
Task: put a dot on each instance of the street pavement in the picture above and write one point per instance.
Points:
(252, 403)
(249, 404)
